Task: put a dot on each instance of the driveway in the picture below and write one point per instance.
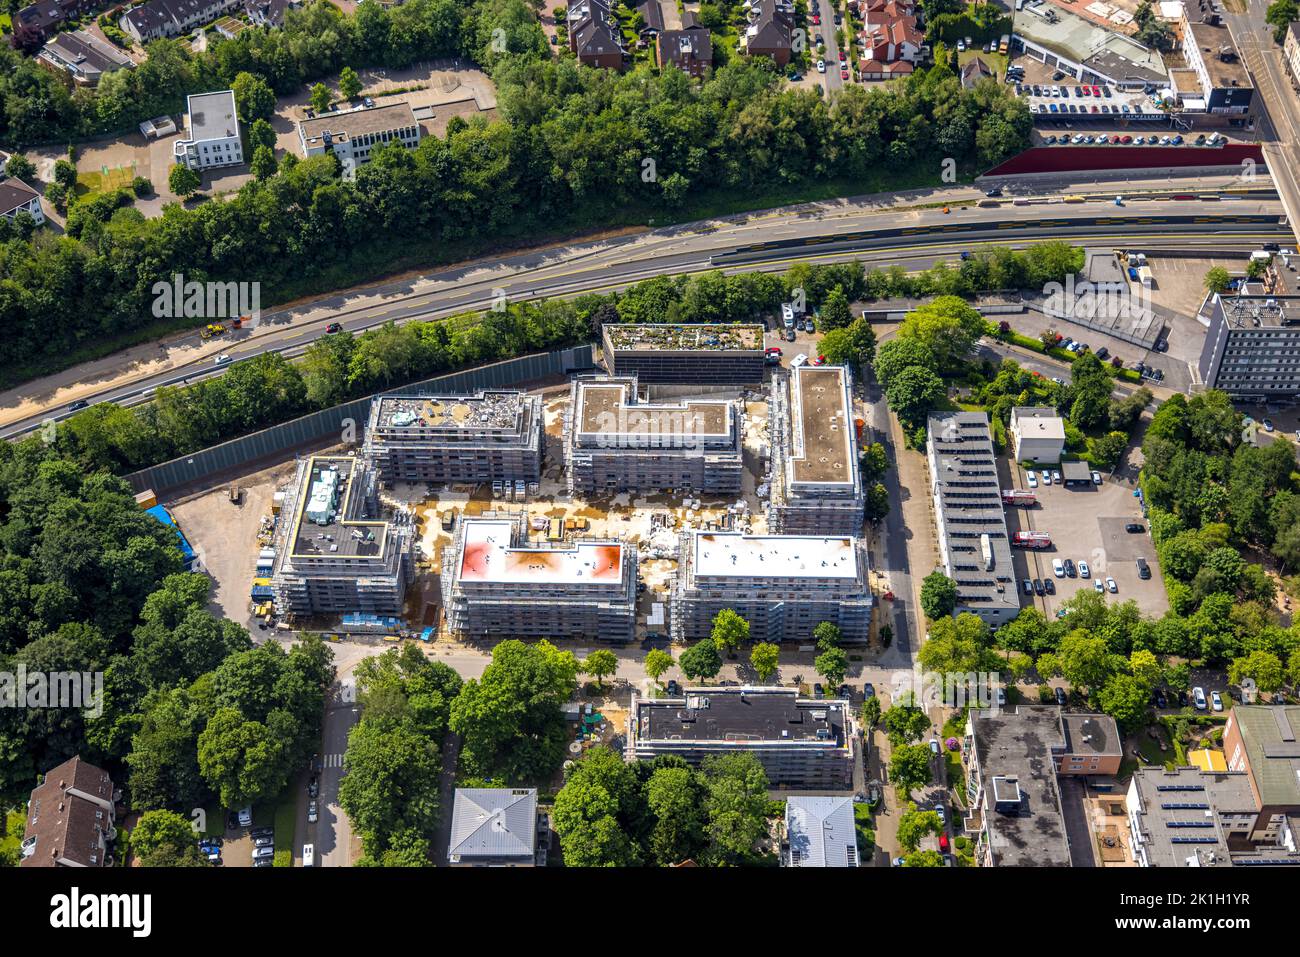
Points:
(1074, 808)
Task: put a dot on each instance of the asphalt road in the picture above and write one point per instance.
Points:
(914, 237)
(333, 831)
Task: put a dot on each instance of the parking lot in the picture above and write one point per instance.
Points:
(1086, 524)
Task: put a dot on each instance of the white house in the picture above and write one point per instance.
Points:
(17, 197)
(351, 135)
(213, 132)
(1038, 434)
(170, 18)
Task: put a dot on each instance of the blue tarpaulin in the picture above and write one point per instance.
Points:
(187, 553)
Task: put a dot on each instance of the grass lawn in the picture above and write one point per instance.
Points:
(216, 821)
(866, 835)
(92, 184)
(286, 813)
(997, 62)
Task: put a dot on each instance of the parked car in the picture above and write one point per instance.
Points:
(673, 688)
(1084, 571)
(1047, 476)
(1056, 477)
(1110, 585)
(1032, 480)
(1096, 477)
(1216, 702)
(1144, 570)
(1049, 586)
(818, 691)
(1198, 696)
(263, 853)
(1001, 696)
(940, 810)
(1028, 586)
(1058, 568)
(1097, 585)
(1061, 698)
(311, 812)
(934, 745)
(245, 817)
(1069, 568)
(868, 690)
(313, 787)
(1038, 586)
(1160, 699)
(1135, 528)
(264, 840)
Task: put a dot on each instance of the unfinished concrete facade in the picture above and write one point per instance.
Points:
(497, 583)
(616, 441)
(783, 585)
(485, 437)
(335, 550)
(815, 480)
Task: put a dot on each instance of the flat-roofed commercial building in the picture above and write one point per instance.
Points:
(815, 481)
(1038, 434)
(352, 135)
(783, 585)
(336, 552)
(1223, 83)
(496, 583)
(696, 355)
(1261, 741)
(212, 128)
(1252, 348)
(802, 743)
(485, 437)
(973, 544)
(616, 442)
(1087, 52)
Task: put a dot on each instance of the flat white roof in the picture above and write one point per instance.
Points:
(734, 554)
(488, 556)
(1034, 424)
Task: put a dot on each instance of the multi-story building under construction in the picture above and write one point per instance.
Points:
(496, 582)
(815, 479)
(783, 585)
(615, 441)
(486, 437)
(336, 552)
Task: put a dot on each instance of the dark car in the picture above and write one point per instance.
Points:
(79, 405)
(1144, 570)
(868, 690)
(1061, 697)
(333, 327)
(1161, 700)
(264, 840)
(1049, 586)
(1038, 586)
(262, 832)
(845, 691)
(673, 689)
(818, 691)
(1069, 568)
(1182, 699)
(1135, 528)
(995, 191)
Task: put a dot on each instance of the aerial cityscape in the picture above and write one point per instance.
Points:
(687, 433)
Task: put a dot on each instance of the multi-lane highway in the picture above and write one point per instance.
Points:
(915, 237)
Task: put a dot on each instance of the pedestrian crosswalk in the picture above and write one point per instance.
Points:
(333, 760)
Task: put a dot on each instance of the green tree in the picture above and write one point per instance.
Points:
(1264, 667)
(914, 392)
(261, 133)
(832, 665)
(914, 825)
(1127, 700)
(349, 83)
(1107, 450)
(905, 723)
(1086, 661)
(871, 711)
(320, 98)
(254, 100)
(947, 327)
(511, 719)
(20, 167)
(850, 346)
(676, 799)
(263, 165)
(1280, 14)
(390, 785)
(600, 663)
(657, 663)
(938, 595)
(827, 635)
(1217, 278)
(835, 312)
(909, 767)
(765, 658)
(183, 181)
(1145, 667)
(701, 660)
(165, 839)
(735, 806)
(897, 355)
(729, 630)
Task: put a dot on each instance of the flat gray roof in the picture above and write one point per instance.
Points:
(741, 715)
(359, 122)
(212, 115)
(686, 337)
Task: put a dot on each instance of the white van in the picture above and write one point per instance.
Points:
(1198, 696)
(309, 855)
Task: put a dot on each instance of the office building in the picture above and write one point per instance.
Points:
(495, 582)
(211, 136)
(802, 743)
(485, 437)
(815, 482)
(1252, 347)
(974, 548)
(1037, 434)
(70, 818)
(616, 441)
(685, 354)
(353, 135)
(1084, 50)
(783, 585)
(1221, 84)
(337, 551)
(1260, 741)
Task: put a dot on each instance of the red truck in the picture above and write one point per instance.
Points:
(1015, 496)
(1031, 540)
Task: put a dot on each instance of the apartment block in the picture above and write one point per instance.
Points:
(1260, 741)
(1037, 434)
(70, 818)
(1014, 802)
(1291, 51)
(495, 582)
(485, 437)
(353, 135)
(685, 354)
(803, 744)
(815, 480)
(211, 132)
(783, 585)
(170, 18)
(617, 441)
(974, 548)
(1252, 347)
(1187, 817)
(338, 549)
